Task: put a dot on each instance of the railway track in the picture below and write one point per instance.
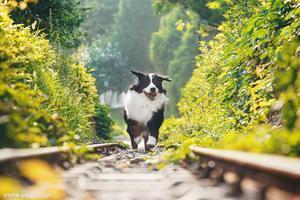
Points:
(10, 154)
(266, 172)
(133, 174)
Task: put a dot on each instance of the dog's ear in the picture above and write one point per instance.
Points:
(137, 73)
(165, 78)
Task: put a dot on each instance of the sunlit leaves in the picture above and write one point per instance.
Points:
(287, 82)
(58, 19)
(180, 25)
(213, 5)
(210, 11)
(8, 186)
(42, 171)
(45, 98)
(45, 182)
(248, 75)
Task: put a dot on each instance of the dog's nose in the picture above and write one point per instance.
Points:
(153, 89)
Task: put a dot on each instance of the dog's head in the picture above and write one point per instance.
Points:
(150, 84)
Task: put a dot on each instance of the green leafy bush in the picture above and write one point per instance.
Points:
(247, 76)
(46, 98)
(165, 41)
(172, 51)
(58, 19)
(103, 121)
(206, 9)
(180, 67)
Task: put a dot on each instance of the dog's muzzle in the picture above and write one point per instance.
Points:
(150, 95)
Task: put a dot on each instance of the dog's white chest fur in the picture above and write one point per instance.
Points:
(139, 108)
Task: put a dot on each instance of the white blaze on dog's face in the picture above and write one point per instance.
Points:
(151, 90)
(151, 87)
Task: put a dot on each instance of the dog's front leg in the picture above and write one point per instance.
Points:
(150, 138)
(134, 145)
(153, 128)
(146, 137)
(145, 144)
(135, 132)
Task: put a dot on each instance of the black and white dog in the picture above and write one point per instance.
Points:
(144, 107)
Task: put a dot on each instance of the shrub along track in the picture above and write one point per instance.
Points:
(133, 174)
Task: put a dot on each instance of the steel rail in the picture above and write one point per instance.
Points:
(12, 154)
(271, 170)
